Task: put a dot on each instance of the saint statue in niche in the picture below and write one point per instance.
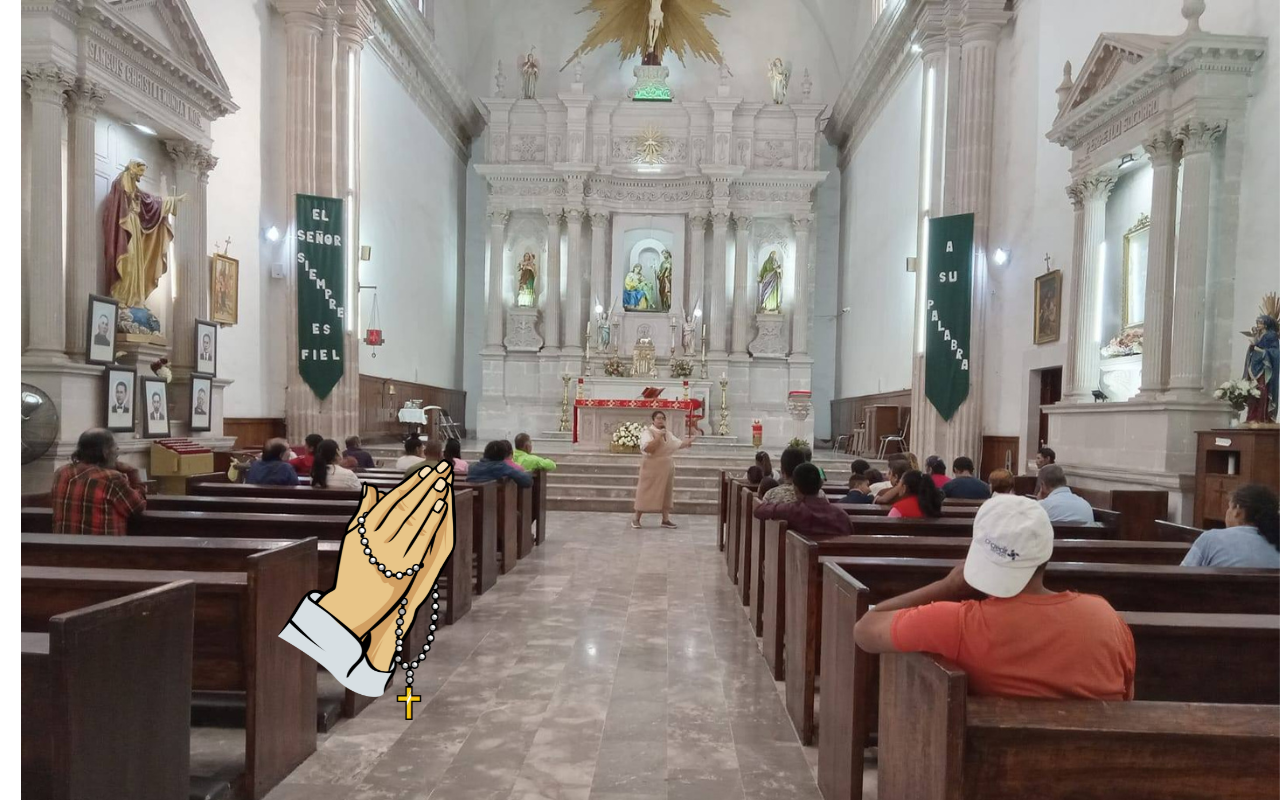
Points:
(779, 77)
(771, 284)
(664, 281)
(136, 233)
(1262, 364)
(636, 290)
(529, 75)
(526, 281)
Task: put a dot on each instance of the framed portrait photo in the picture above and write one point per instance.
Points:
(201, 404)
(224, 289)
(1048, 310)
(206, 348)
(101, 330)
(153, 398)
(119, 399)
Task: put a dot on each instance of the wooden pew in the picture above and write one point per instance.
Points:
(738, 487)
(1169, 532)
(850, 585)
(99, 718)
(1139, 509)
(540, 478)
(774, 590)
(938, 743)
(238, 618)
(524, 518)
(803, 601)
(722, 509)
(507, 522)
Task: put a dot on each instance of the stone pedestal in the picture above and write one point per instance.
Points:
(651, 83)
(771, 336)
(522, 332)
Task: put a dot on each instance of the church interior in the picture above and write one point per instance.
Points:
(717, 347)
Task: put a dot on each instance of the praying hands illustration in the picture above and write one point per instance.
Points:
(394, 549)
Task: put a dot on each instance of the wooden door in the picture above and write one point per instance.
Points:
(998, 452)
(1050, 394)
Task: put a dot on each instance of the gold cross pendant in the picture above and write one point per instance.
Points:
(408, 699)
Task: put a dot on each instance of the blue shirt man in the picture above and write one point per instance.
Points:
(1058, 500)
(272, 469)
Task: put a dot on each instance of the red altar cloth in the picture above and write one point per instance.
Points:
(691, 406)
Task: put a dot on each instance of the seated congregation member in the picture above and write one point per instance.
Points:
(859, 491)
(1021, 639)
(1001, 481)
(811, 511)
(765, 463)
(327, 473)
(272, 469)
(1060, 503)
(964, 486)
(525, 458)
(1251, 537)
(511, 453)
(859, 466)
(493, 466)
(303, 463)
(95, 493)
(453, 454)
(922, 498)
(895, 491)
(432, 453)
(767, 484)
(413, 453)
(754, 476)
(1045, 456)
(785, 491)
(937, 469)
(362, 457)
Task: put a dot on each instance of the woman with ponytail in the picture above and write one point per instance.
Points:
(923, 499)
(1251, 537)
(327, 473)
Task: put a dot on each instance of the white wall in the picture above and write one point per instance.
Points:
(880, 195)
(824, 290)
(411, 185)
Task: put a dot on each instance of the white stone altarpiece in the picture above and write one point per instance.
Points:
(123, 62)
(651, 198)
(1177, 101)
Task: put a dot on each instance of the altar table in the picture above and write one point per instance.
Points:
(600, 417)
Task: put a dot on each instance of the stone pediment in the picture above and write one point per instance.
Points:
(1113, 55)
(169, 27)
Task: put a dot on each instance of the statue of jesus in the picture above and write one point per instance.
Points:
(655, 24)
(136, 233)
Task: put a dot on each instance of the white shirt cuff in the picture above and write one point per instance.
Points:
(317, 633)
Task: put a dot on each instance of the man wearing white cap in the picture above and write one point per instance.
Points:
(994, 617)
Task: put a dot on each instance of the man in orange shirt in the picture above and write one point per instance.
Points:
(994, 617)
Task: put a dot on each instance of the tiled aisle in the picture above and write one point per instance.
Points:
(611, 664)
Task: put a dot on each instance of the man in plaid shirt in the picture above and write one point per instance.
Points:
(94, 494)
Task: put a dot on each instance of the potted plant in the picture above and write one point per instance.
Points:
(614, 368)
(798, 442)
(1237, 394)
(626, 438)
(681, 368)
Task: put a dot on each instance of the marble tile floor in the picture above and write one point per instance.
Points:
(612, 664)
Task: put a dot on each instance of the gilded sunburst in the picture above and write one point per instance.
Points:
(651, 146)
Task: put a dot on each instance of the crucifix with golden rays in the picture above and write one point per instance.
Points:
(649, 28)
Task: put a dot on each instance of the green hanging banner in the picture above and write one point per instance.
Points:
(322, 291)
(947, 311)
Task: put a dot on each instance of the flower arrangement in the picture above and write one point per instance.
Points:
(798, 442)
(681, 368)
(627, 437)
(614, 368)
(1237, 393)
(1126, 343)
(160, 367)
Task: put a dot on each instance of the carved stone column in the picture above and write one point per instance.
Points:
(741, 263)
(601, 292)
(42, 273)
(1162, 148)
(84, 256)
(573, 328)
(551, 284)
(190, 272)
(1081, 375)
(718, 324)
(497, 249)
(697, 263)
(801, 303)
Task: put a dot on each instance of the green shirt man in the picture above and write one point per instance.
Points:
(525, 458)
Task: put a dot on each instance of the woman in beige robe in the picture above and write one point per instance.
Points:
(657, 470)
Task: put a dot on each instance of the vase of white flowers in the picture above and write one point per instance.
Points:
(1237, 394)
(626, 438)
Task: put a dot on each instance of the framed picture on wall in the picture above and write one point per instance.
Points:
(1048, 310)
(119, 399)
(101, 330)
(154, 397)
(201, 404)
(224, 289)
(206, 348)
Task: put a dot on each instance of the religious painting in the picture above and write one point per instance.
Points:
(647, 285)
(119, 399)
(155, 408)
(206, 347)
(527, 281)
(224, 289)
(101, 330)
(1133, 295)
(1048, 309)
(201, 404)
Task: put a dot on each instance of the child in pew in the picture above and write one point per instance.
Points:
(1020, 639)
(453, 454)
(785, 492)
(811, 512)
(859, 490)
(1251, 537)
